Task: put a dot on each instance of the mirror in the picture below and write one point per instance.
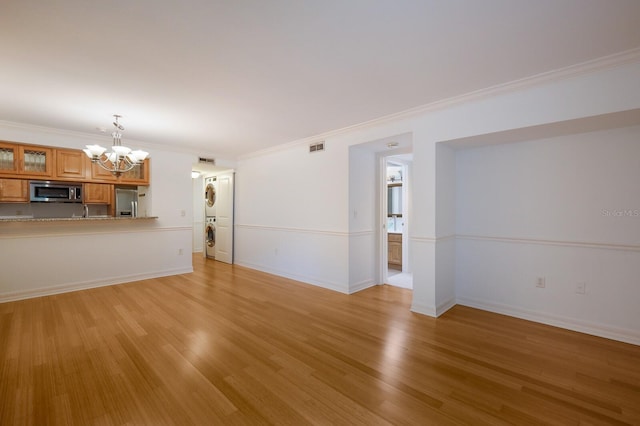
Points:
(394, 199)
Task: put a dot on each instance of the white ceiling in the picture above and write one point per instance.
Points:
(235, 76)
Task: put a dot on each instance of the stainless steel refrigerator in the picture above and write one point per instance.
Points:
(126, 202)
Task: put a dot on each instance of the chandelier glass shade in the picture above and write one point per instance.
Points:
(120, 159)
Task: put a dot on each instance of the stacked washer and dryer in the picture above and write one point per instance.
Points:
(210, 217)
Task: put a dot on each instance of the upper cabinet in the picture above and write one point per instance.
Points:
(8, 159)
(71, 164)
(48, 163)
(137, 176)
(98, 174)
(25, 160)
(36, 161)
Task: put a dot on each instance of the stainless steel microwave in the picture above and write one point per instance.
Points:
(55, 192)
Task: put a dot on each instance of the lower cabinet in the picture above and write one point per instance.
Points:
(394, 252)
(98, 193)
(14, 190)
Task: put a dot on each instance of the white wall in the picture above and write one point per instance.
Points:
(45, 258)
(363, 184)
(445, 291)
(298, 203)
(198, 214)
(291, 216)
(539, 209)
(423, 225)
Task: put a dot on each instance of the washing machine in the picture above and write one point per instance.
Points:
(210, 196)
(210, 237)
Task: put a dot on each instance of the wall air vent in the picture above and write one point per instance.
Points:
(211, 161)
(316, 147)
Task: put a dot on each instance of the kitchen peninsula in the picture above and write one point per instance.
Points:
(44, 251)
(72, 219)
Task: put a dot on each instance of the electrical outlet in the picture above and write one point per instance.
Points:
(581, 288)
(541, 282)
(180, 252)
(183, 213)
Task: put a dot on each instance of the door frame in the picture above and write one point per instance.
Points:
(383, 246)
(383, 238)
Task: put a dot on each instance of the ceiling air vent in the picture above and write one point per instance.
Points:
(316, 147)
(211, 161)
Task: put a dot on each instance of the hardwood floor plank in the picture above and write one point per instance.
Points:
(230, 345)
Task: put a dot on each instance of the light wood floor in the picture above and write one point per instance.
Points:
(228, 345)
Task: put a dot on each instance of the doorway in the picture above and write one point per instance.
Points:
(369, 215)
(396, 201)
(213, 197)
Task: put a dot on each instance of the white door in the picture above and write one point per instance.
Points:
(224, 218)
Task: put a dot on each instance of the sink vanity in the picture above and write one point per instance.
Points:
(394, 250)
(395, 224)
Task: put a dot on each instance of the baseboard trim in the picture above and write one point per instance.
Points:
(296, 277)
(619, 334)
(423, 309)
(362, 285)
(435, 312)
(444, 307)
(67, 288)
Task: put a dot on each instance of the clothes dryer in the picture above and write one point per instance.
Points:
(210, 196)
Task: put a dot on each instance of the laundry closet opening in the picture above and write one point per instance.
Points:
(213, 197)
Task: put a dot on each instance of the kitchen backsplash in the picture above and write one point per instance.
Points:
(40, 210)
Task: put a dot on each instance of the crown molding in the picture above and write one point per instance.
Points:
(587, 67)
(50, 130)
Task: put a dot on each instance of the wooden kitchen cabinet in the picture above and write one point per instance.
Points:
(25, 160)
(97, 193)
(394, 249)
(22, 161)
(8, 159)
(71, 164)
(138, 175)
(100, 174)
(14, 190)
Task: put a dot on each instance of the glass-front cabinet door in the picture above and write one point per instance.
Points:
(36, 161)
(28, 161)
(8, 158)
(138, 175)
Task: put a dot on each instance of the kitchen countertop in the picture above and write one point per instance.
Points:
(70, 219)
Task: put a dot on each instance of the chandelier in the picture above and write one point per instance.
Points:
(120, 159)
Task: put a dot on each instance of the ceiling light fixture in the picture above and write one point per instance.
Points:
(120, 159)
(392, 145)
(195, 174)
